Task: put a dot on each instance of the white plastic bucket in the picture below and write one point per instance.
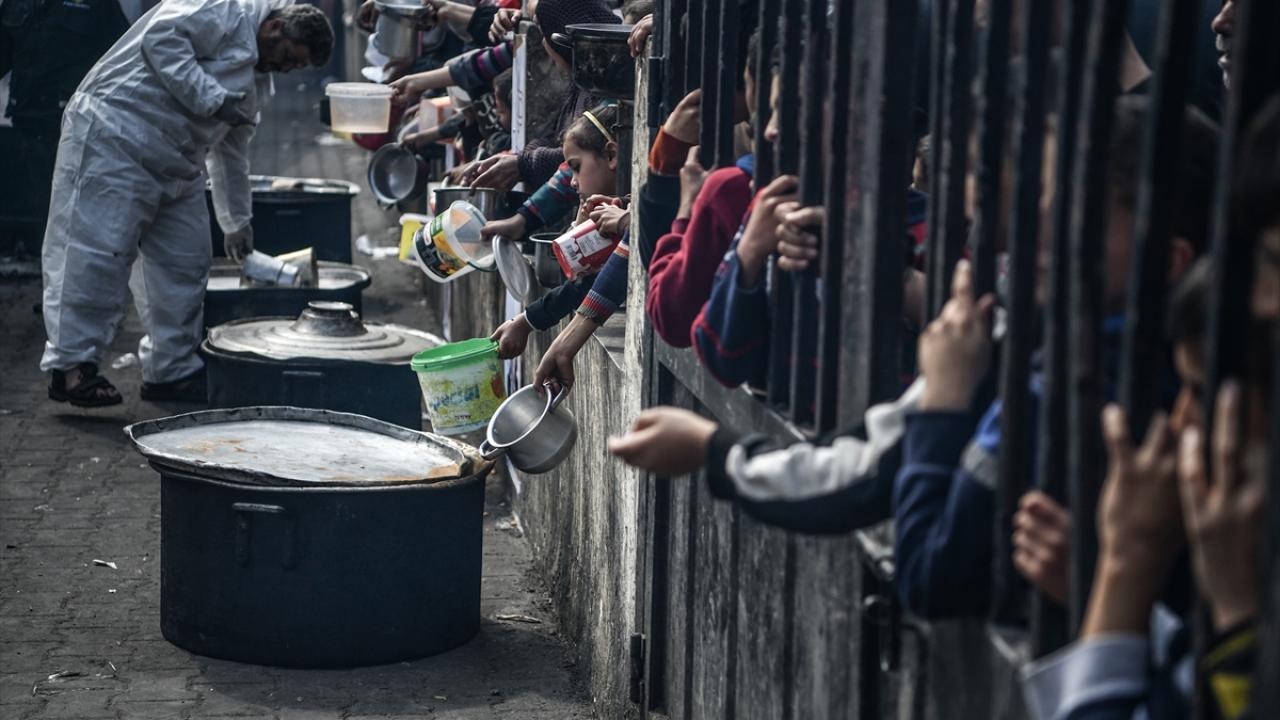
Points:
(462, 385)
(450, 245)
(359, 107)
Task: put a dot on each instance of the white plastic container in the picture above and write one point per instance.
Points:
(450, 246)
(359, 107)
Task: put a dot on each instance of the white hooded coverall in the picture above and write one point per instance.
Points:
(130, 176)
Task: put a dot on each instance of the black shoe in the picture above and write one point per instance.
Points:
(191, 388)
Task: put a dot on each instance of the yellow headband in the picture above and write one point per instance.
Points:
(596, 121)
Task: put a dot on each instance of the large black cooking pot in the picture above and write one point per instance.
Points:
(230, 297)
(295, 213)
(602, 62)
(283, 542)
(324, 358)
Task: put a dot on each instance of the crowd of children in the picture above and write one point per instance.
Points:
(710, 240)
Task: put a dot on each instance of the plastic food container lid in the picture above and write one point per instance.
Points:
(453, 354)
(357, 90)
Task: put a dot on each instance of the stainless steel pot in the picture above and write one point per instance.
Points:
(396, 34)
(534, 432)
(396, 174)
(602, 62)
(485, 199)
(545, 265)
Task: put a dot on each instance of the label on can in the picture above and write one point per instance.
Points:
(582, 250)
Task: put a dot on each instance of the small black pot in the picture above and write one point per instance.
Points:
(317, 214)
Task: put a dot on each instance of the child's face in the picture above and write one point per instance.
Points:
(593, 174)
(775, 94)
(503, 111)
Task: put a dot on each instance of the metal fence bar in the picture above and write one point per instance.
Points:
(831, 409)
(1085, 460)
(804, 338)
(786, 161)
(713, 124)
(666, 60)
(1144, 348)
(881, 136)
(938, 98)
(770, 10)
(1049, 627)
(1008, 593)
(948, 228)
(694, 15)
(993, 78)
(729, 79)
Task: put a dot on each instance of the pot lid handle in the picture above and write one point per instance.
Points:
(330, 319)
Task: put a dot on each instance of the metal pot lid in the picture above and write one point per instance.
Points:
(598, 31)
(516, 272)
(324, 331)
(402, 9)
(299, 447)
(226, 274)
(275, 184)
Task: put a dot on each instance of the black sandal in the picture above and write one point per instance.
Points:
(92, 391)
(188, 389)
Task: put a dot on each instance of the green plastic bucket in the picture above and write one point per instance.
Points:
(462, 384)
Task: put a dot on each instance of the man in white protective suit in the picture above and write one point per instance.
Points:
(178, 93)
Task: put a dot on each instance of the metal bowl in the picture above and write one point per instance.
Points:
(396, 174)
(545, 265)
(533, 430)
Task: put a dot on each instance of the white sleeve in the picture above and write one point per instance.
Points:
(228, 166)
(805, 470)
(178, 36)
(1101, 668)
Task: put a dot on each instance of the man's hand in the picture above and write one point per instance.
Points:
(955, 349)
(239, 243)
(511, 228)
(639, 34)
(798, 232)
(230, 111)
(692, 176)
(506, 20)
(367, 16)
(1042, 544)
(512, 337)
(1224, 516)
(667, 441)
(760, 239)
(500, 172)
(685, 120)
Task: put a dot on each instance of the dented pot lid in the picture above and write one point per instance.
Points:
(324, 331)
(272, 445)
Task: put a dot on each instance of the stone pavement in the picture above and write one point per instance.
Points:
(82, 641)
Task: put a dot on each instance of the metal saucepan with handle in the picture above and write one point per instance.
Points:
(534, 432)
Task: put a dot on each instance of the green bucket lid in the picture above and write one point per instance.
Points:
(453, 354)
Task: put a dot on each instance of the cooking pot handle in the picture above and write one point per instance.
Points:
(489, 452)
(244, 532)
(554, 402)
(562, 40)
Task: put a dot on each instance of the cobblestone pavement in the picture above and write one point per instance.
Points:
(79, 640)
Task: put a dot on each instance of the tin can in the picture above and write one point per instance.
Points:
(582, 250)
(263, 268)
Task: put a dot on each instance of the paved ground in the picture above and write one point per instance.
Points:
(82, 641)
